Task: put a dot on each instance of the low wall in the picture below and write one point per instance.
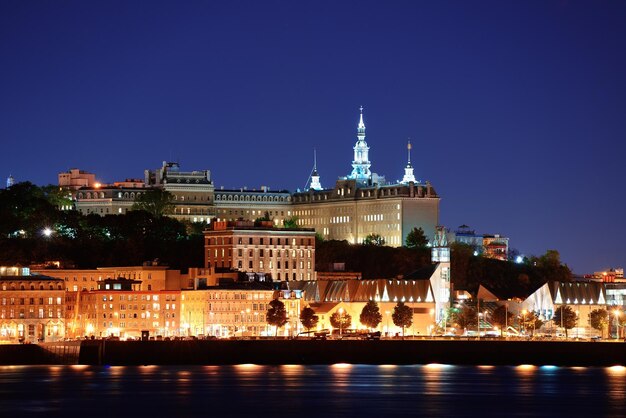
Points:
(44, 353)
(317, 352)
(356, 352)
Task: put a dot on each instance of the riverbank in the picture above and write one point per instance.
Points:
(102, 352)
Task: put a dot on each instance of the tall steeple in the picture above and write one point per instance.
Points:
(361, 164)
(315, 177)
(408, 170)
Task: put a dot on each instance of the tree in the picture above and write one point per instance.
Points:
(374, 239)
(530, 321)
(502, 317)
(341, 320)
(157, 202)
(370, 315)
(290, 223)
(599, 319)
(402, 316)
(416, 238)
(276, 314)
(465, 317)
(565, 317)
(308, 318)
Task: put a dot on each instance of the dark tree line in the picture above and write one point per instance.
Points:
(33, 230)
(373, 261)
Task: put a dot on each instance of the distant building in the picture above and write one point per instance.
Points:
(279, 253)
(192, 190)
(487, 245)
(32, 307)
(363, 203)
(10, 181)
(107, 199)
(610, 275)
(74, 179)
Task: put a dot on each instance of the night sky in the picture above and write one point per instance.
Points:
(517, 110)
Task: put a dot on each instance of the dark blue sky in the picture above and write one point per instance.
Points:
(517, 110)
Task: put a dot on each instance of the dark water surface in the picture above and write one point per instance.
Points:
(312, 391)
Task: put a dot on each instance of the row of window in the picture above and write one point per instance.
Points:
(22, 286)
(32, 301)
(252, 198)
(41, 313)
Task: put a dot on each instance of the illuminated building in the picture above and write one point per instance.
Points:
(225, 311)
(280, 253)
(10, 181)
(150, 276)
(107, 199)
(415, 290)
(231, 205)
(490, 246)
(74, 179)
(32, 307)
(363, 203)
(192, 191)
(118, 309)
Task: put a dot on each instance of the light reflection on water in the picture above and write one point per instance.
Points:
(307, 391)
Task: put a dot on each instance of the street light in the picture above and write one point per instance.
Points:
(340, 322)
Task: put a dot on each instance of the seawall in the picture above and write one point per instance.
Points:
(355, 352)
(269, 352)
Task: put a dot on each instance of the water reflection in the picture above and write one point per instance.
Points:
(307, 391)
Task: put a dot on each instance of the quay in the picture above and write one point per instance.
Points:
(269, 352)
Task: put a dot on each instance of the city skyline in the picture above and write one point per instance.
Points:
(513, 111)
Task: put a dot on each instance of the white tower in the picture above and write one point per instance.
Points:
(442, 286)
(408, 170)
(10, 181)
(315, 177)
(361, 164)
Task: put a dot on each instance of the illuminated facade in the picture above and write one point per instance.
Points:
(280, 253)
(150, 277)
(416, 291)
(74, 179)
(363, 203)
(123, 312)
(223, 312)
(32, 307)
(192, 190)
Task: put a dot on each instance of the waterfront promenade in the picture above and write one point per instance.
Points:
(214, 352)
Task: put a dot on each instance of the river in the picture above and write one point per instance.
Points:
(312, 391)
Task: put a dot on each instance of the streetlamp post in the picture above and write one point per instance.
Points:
(340, 322)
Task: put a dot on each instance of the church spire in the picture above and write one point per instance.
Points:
(361, 164)
(408, 170)
(315, 177)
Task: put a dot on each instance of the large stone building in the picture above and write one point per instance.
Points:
(32, 307)
(230, 309)
(118, 308)
(280, 253)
